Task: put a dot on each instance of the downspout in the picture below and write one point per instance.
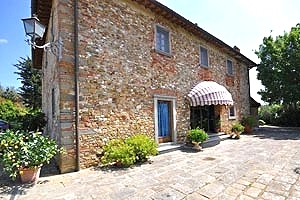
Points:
(76, 65)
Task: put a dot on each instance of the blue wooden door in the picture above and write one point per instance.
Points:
(164, 127)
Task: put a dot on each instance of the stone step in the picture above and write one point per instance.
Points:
(213, 139)
(168, 147)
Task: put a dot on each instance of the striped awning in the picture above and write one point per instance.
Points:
(209, 93)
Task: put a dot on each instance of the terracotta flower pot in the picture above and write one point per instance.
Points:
(248, 129)
(197, 146)
(29, 175)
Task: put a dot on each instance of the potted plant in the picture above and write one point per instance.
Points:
(236, 130)
(197, 136)
(249, 122)
(23, 153)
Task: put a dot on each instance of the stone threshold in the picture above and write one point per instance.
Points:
(213, 140)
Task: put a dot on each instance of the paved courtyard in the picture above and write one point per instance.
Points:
(264, 165)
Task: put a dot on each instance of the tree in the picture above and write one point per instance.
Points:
(279, 70)
(31, 88)
(12, 112)
(9, 93)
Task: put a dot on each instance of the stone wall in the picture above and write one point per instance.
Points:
(120, 72)
(58, 83)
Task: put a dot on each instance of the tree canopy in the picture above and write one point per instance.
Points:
(279, 69)
(31, 88)
(9, 93)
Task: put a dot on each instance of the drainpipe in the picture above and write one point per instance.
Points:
(76, 65)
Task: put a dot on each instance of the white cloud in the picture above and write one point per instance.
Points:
(3, 41)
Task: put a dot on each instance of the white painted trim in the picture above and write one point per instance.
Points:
(228, 110)
(173, 105)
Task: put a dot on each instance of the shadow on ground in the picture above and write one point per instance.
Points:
(8, 186)
(277, 133)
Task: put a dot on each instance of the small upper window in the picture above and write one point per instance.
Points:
(231, 112)
(203, 57)
(162, 40)
(229, 67)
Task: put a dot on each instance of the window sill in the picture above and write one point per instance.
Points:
(163, 53)
(204, 66)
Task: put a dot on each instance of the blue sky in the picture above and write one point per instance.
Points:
(12, 36)
(243, 23)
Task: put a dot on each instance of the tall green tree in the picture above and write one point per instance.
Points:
(31, 88)
(279, 69)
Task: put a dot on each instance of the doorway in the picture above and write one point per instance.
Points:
(203, 117)
(165, 119)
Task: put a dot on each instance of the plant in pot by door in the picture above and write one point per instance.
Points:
(236, 130)
(197, 136)
(23, 153)
(248, 122)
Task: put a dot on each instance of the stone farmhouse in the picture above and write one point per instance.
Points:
(123, 67)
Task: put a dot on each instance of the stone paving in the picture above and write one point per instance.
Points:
(264, 165)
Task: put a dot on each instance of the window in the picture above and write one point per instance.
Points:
(203, 57)
(229, 67)
(231, 112)
(162, 40)
(53, 102)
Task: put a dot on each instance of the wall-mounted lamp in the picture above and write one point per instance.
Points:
(35, 30)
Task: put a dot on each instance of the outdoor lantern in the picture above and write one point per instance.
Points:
(33, 28)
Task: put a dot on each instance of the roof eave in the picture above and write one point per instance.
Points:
(42, 8)
(174, 17)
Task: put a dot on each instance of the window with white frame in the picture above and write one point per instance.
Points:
(229, 67)
(231, 112)
(203, 56)
(162, 37)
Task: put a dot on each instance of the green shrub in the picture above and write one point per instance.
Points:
(197, 135)
(249, 120)
(270, 113)
(143, 147)
(236, 130)
(237, 127)
(20, 117)
(280, 115)
(34, 120)
(119, 153)
(127, 152)
(12, 112)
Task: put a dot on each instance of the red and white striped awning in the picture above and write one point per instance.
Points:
(209, 93)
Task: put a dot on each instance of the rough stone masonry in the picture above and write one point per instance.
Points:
(120, 72)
